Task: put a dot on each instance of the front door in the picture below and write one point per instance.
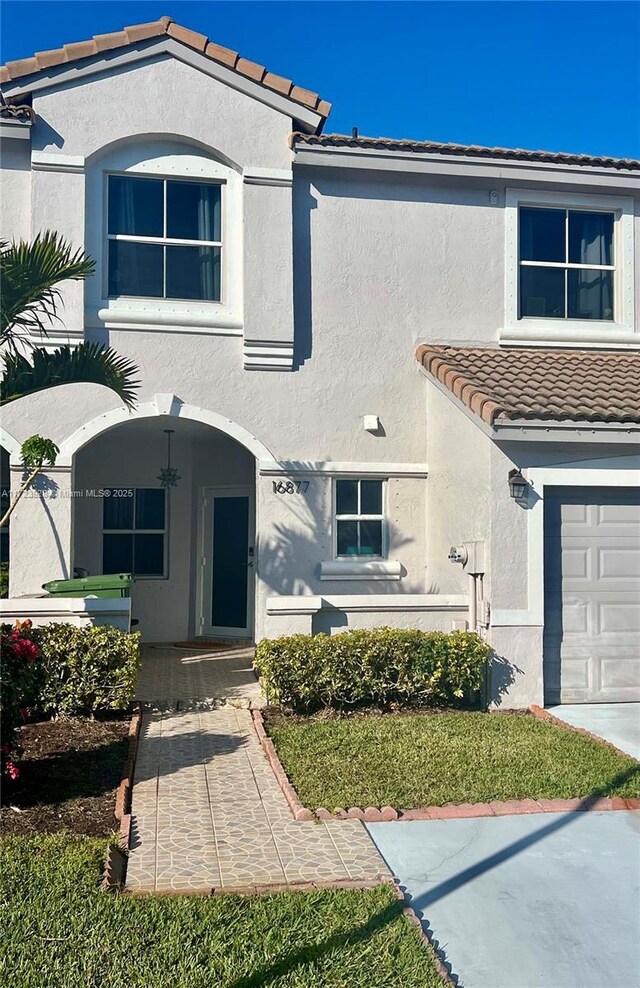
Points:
(226, 606)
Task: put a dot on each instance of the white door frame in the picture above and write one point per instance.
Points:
(205, 562)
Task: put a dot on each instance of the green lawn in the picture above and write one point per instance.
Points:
(61, 931)
(411, 760)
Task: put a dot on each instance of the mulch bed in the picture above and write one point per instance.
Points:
(70, 770)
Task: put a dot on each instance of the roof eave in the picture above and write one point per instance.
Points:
(434, 162)
(544, 430)
(306, 118)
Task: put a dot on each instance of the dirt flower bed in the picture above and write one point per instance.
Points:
(69, 771)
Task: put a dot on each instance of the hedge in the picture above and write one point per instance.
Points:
(86, 669)
(378, 667)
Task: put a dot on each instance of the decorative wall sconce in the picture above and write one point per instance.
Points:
(517, 484)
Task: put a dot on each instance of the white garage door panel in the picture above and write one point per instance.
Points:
(592, 594)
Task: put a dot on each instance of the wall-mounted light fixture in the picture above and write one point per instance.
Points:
(517, 484)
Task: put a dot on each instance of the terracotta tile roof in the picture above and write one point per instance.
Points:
(523, 384)
(464, 150)
(155, 29)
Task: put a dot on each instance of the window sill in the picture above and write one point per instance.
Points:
(177, 317)
(576, 334)
(360, 569)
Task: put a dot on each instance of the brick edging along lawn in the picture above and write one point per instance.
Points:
(115, 863)
(374, 814)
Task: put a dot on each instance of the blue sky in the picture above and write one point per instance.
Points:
(552, 74)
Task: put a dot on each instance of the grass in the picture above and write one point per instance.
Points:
(60, 929)
(430, 759)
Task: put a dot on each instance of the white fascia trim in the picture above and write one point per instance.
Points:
(543, 431)
(301, 604)
(268, 176)
(43, 161)
(329, 468)
(562, 475)
(360, 569)
(12, 129)
(164, 44)
(456, 165)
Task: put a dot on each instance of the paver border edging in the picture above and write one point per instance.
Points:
(275, 887)
(425, 934)
(543, 715)
(299, 811)
(116, 858)
(451, 811)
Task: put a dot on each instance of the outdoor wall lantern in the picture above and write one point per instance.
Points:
(169, 476)
(517, 484)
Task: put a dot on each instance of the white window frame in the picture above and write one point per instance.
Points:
(532, 330)
(164, 240)
(382, 517)
(141, 531)
(166, 159)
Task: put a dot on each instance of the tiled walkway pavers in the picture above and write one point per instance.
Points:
(208, 812)
(169, 674)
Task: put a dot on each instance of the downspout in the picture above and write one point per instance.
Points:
(473, 602)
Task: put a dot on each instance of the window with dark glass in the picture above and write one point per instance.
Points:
(133, 531)
(567, 264)
(164, 238)
(359, 517)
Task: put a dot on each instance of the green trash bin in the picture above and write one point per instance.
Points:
(109, 585)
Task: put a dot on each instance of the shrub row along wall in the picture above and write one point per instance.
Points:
(62, 669)
(380, 667)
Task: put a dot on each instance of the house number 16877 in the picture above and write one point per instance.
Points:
(290, 486)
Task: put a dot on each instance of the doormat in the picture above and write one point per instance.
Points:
(210, 646)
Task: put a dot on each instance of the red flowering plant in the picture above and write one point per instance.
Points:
(20, 683)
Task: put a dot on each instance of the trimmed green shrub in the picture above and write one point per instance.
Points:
(379, 667)
(86, 669)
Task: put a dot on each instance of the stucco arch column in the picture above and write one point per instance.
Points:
(41, 530)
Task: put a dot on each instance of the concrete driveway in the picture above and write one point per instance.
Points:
(618, 723)
(537, 901)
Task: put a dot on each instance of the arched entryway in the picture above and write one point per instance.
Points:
(190, 545)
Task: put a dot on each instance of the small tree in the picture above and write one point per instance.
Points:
(36, 452)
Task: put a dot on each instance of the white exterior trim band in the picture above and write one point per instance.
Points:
(307, 604)
(331, 468)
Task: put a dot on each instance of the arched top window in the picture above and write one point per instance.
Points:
(164, 223)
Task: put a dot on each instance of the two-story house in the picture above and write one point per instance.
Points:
(356, 353)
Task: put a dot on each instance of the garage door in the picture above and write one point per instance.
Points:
(592, 594)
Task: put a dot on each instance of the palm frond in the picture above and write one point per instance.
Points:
(89, 363)
(30, 273)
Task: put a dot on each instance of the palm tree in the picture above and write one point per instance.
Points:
(30, 275)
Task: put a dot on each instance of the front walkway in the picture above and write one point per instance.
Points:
(618, 723)
(207, 810)
(168, 674)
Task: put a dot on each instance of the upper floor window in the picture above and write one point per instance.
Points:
(567, 263)
(359, 518)
(164, 238)
(569, 278)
